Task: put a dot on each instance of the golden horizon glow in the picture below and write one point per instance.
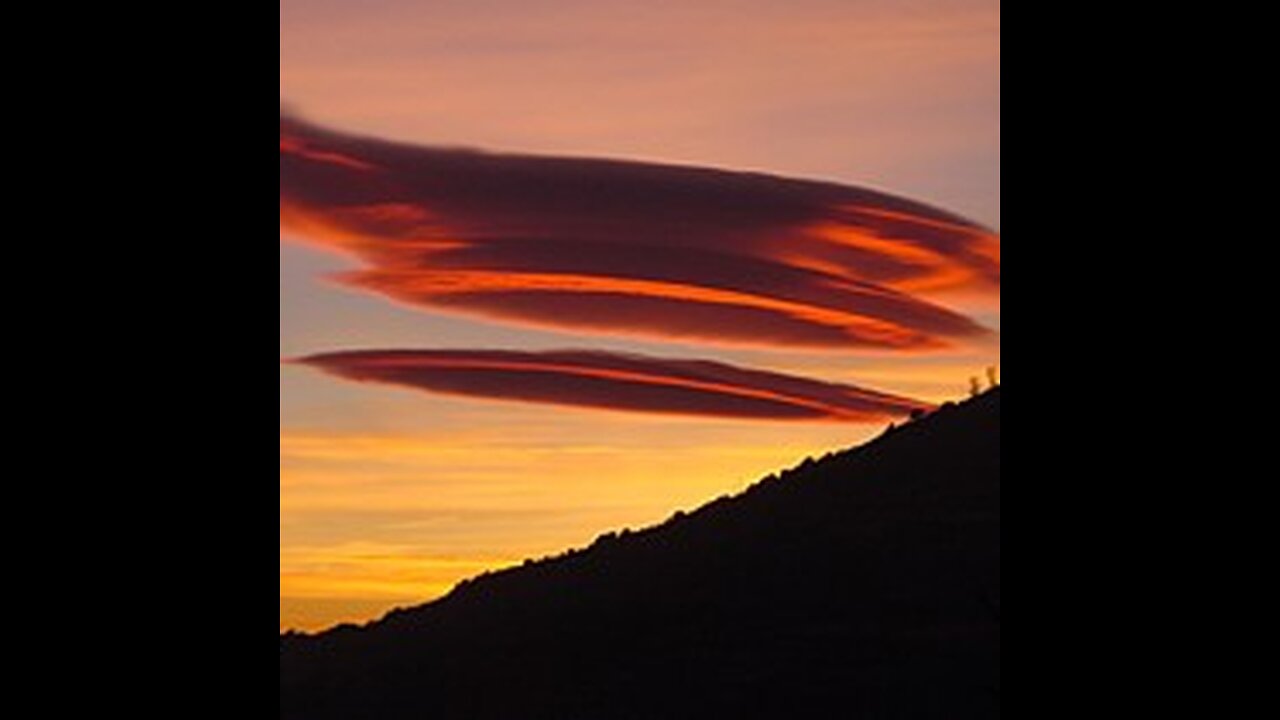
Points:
(464, 503)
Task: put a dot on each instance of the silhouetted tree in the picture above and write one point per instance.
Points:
(993, 377)
(975, 387)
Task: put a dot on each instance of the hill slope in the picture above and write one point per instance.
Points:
(866, 584)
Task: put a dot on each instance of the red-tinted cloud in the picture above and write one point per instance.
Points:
(627, 247)
(617, 382)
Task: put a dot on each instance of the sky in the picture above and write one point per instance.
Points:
(450, 403)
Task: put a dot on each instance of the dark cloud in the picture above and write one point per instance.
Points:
(628, 247)
(617, 382)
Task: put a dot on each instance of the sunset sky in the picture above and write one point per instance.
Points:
(705, 350)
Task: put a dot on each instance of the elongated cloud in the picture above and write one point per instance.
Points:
(616, 382)
(635, 248)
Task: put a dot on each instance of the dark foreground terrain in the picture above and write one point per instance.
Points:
(863, 585)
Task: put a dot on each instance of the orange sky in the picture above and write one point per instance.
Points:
(388, 497)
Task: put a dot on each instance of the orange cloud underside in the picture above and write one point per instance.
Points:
(935, 271)
(402, 279)
(422, 285)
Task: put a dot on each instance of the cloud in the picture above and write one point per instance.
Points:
(616, 382)
(633, 248)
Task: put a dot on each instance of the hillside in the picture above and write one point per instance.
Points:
(865, 584)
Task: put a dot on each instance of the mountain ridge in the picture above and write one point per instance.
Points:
(866, 581)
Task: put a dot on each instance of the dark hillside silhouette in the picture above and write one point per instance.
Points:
(862, 585)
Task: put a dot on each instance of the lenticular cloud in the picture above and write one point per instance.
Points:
(617, 382)
(633, 248)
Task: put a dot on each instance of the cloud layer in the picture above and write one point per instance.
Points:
(635, 248)
(616, 382)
